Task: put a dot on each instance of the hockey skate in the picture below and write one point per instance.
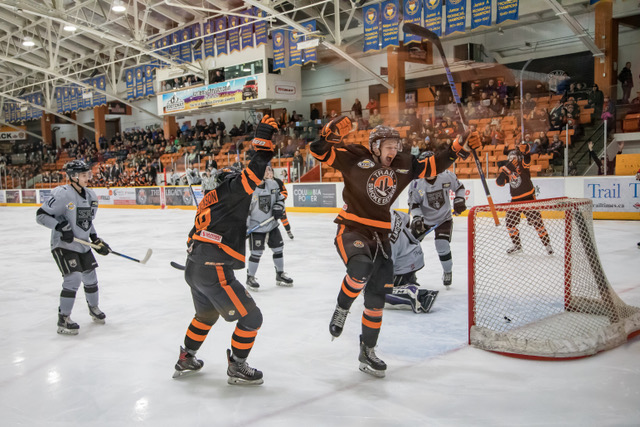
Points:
(239, 372)
(337, 321)
(515, 249)
(446, 279)
(187, 364)
(370, 363)
(66, 326)
(252, 283)
(426, 299)
(282, 279)
(97, 315)
(549, 249)
(290, 234)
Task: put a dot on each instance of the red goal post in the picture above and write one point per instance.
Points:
(540, 306)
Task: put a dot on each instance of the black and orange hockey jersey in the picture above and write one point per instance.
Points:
(371, 188)
(221, 220)
(518, 176)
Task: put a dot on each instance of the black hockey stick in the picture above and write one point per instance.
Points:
(111, 251)
(178, 266)
(433, 38)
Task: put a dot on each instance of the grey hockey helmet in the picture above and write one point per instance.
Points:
(74, 167)
(514, 155)
(381, 133)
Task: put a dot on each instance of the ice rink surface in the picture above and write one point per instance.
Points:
(119, 374)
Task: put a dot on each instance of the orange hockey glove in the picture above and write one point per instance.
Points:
(336, 129)
(264, 134)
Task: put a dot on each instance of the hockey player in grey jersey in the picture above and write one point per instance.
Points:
(267, 202)
(430, 207)
(408, 258)
(69, 213)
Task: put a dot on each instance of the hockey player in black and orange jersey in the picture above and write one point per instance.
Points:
(284, 219)
(516, 173)
(216, 248)
(373, 179)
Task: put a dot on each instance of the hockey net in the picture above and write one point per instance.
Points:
(534, 305)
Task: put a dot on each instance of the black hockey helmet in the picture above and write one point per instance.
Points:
(74, 167)
(227, 172)
(381, 133)
(514, 155)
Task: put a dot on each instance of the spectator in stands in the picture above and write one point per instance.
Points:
(543, 144)
(211, 164)
(528, 103)
(375, 119)
(290, 149)
(573, 170)
(298, 165)
(220, 127)
(574, 124)
(486, 135)
(556, 147)
(315, 113)
(234, 131)
(371, 105)
(218, 76)
(490, 87)
(626, 81)
(611, 164)
(177, 83)
(609, 113)
(558, 116)
(356, 109)
(496, 107)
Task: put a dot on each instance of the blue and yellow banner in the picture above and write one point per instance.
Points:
(128, 78)
(73, 99)
(196, 32)
(148, 79)
(166, 52)
(433, 16)
(390, 13)
(592, 2)
(371, 18)
(209, 50)
(58, 99)
(480, 13)
(310, 54)
(260, 27)
(185, 47)
(100, 98)
(87, 95)
(140, 83)
(175, 46)
(295, 55)
(66, 102)
(507, 10)
(234, 34)
(412, 15)
(221, 36)
(278, 49)
(456, 16)
(246, 29)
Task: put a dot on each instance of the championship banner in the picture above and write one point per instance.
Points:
(371, 18)
(310, 54)
(166, 52)
(58, 99)
(175, 46)
(246, 30)
(234, 34)
(29, 112)
(87, 94)
(295, 55)
(140, 83)
(390, 23)
(128, 77)
(148, 78)
(507, 10)
(433, 16)
(185, 47)
(480, 13)
(412, 15)
(100, 98)
(260, 27)
(278, 49)
(209, 50)
(456, 16)
(66, 101)
(221, 35)
(197, 41)
(213, 95)
(73, 99)
(39, 101)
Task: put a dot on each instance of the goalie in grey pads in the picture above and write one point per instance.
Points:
(407, 258)
(430, 207)
(69, 213)
(267, 202)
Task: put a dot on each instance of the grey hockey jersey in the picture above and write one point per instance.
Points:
(264, 197)
(406, 251)
(66, 204)
(431, 201)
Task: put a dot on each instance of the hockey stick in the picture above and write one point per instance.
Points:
(177, 266)
(433, 38)
(254, 228)
(111, 251)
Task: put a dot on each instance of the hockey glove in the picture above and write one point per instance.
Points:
(104, 247)
(264, 134)
(278, 211)
(459, 205)
(65, 229)
(474, 141)
(336, 129)
(417, 226)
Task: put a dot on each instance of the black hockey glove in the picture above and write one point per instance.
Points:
(104, 247)
(336, 129)
(264, 134)
(417, 226)
(67, 233)
(278, 211)
(459, 205)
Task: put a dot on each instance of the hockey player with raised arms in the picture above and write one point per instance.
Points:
(267, 202)
(430, 207)
(373, 179)
(69, 213)
(216, 247)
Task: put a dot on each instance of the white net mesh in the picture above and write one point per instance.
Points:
(536, 304)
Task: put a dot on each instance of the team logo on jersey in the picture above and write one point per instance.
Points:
(515, 180)
(382, 186)
(366, 164)
(435, 199)
(71, 206)
(83, 218)
(358, 244)
(73, 263)
(264, 203)
(403, 171)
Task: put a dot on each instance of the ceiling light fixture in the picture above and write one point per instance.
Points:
(118, 6)
(69, 27)
(28, 42)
